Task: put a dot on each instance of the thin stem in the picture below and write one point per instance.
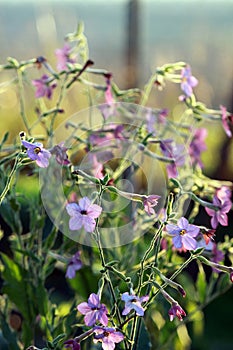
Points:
(9, 180)
(21, 101)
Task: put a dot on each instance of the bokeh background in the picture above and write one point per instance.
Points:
(130, 38)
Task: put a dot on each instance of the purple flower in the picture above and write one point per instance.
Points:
(43, 87)
(83, 214)
(176, 152)
(176, 311)
(35, 151)
(133, 302)
(197, 146)
(93, 311)
(183, 234)
(74, 265)
(63, 57)
(72, 344)
(227, 120)
(60, 153)
(219, 216)
(188, 81)
(108, 336)
(149, 202)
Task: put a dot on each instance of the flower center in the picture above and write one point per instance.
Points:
(182, 232)
(37, 150)
(106, 334)
(83, 212)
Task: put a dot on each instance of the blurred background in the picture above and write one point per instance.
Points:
(130, 38)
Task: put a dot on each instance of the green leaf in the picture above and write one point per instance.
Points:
(201, 284)
(143, 339)
(9, 340)
(4, 139)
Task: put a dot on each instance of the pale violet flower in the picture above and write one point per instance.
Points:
(35, 151)
(133, 302)
(188, 81)
(94, 311)
(83, 214)
(183, 234)
(108, 337)
(74, 265)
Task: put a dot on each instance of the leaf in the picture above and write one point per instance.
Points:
(201, 284)
(4, 139)
(143, 339)
(9, 342)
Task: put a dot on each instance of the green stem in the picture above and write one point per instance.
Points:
(21, 101)
(9, 180)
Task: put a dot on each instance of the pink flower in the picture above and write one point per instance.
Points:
(35, 151)
(222, 200)
(94, 311)
(133, 302)
(83, 214)
(227, 120)
(108, 336)
(43, 87)
(176, 311)
(74, 265)
(149, 202)
(63, 57)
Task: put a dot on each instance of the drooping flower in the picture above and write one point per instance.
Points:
(44, 87)
(74, 265)
(183, 234)
(108, 92)
(173, 151)
(60, 153)
(72, 344)
(188, 81)
(133, 302)
(63, 57)
(94, 311)
(227, 121)
(176, 311)
(149, 202)
(35, 151)
(197, 146)
(83, 214)
(219, 216)
(108, 337)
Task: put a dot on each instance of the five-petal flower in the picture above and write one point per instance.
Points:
(133, 302)
(94, 311)
(35, 151)
(83, 214)
(183, 234)
(108, 337)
